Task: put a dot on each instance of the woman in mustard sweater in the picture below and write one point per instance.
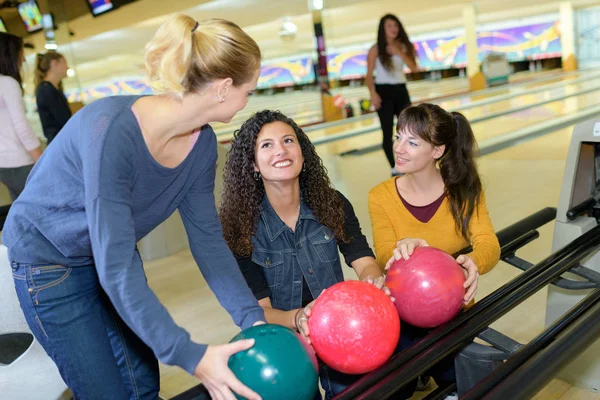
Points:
(438, 201)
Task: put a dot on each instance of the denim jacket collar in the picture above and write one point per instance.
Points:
(274, 225)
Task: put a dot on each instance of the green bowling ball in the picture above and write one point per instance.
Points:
(277, 367)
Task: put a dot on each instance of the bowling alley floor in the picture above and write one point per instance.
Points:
(519, 181)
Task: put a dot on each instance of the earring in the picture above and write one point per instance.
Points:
(303, 167)
(221, 100)
(256, 175)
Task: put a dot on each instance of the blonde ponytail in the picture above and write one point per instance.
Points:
(184, 55)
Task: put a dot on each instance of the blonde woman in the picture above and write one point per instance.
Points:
(52, 104)
(118, 169)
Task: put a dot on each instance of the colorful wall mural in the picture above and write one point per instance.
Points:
(529, 42)
(286, 73)
(121, 87)
(526, 42)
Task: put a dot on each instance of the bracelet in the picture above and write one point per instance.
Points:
(296, 319)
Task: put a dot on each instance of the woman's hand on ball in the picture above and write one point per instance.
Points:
(404, 249)
(471, 275)
(216, 375)
(379, 283)
(302, 317)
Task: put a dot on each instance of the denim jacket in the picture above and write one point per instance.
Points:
(285, 256)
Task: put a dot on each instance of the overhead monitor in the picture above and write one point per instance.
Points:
(98, 7)
(30, 15)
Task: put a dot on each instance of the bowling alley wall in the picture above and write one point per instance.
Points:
(531, 38)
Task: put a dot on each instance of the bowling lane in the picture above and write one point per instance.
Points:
(526, 98)
(308, 103)
(483, 130)
(539, 82)
(310, 112)
(536, 168)
(187, 296)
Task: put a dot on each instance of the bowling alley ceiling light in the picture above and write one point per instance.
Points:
(315, 4)
(288, 30)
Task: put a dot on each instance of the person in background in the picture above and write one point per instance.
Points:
(19, 146)
(386, 59)
(52, 104)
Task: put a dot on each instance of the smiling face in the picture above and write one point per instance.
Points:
(413, 153)
(278, 155)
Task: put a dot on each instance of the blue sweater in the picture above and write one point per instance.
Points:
(97, 191)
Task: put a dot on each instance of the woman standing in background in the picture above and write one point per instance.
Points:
(19, 147)
(389, 95)
(52, 104)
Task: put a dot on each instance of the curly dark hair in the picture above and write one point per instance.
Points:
(242, 194)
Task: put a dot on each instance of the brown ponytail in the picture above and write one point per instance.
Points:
(460, 175)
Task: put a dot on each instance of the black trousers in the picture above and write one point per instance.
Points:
(394, 99)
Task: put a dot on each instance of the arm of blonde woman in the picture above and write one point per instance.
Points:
(216, 375)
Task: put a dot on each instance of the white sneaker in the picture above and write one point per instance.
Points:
(451, 396)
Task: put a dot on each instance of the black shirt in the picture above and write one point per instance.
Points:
(53, 109)
(356, 248)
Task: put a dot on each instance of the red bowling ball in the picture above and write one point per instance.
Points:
(354, 327)
(427, 288)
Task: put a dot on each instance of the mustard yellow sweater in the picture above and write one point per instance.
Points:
(391, 221)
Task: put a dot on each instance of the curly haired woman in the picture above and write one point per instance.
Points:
(285, 223)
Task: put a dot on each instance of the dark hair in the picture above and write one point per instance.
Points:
(457, 165)
(384, 56)
(10, 52)
(43, 64)
(242, 194)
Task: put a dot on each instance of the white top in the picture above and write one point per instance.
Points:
(393, 77)
(16, 136)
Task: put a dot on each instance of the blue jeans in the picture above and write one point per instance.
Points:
(70, 315)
